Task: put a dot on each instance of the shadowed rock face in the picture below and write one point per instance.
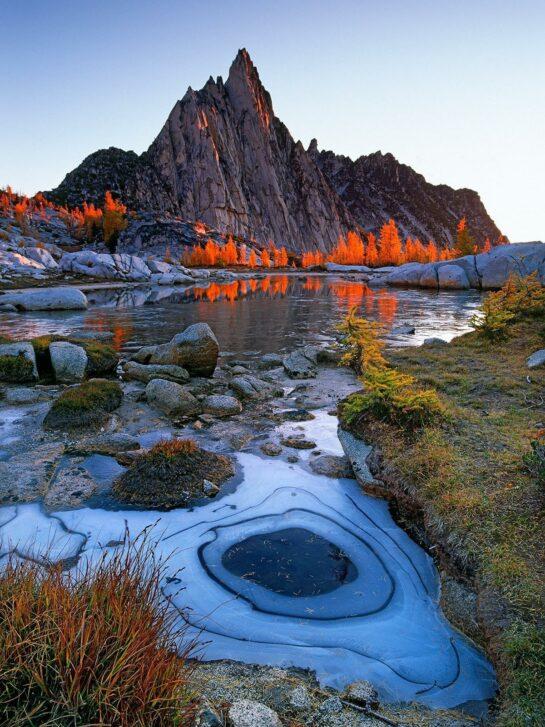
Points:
(223, 157)
(377, 187)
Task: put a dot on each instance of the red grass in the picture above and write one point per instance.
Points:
(96, 649)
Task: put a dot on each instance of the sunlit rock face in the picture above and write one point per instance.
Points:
(223, 157)
(367, 610)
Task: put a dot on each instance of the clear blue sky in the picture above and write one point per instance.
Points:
(455, 89)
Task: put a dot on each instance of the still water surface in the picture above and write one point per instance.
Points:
(264, 315)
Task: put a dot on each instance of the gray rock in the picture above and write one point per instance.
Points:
(23, 395)
(107, 444)
(331, 465)
(435, 342)
(41, 255)
(47, 299)
(405, 275)
(171, 398)
(301, 364)
(250, 387)
(299, 698)
(195, 349)
(24, 349)
(270, 361)
(69, 361)
(239, 370)
(452, 277)
(404, 330)
(428, 277)
(103, 265)
(362, 692)
(147, 372)
(357, 453)
(536, 359)
(221, 406)
(247, 713)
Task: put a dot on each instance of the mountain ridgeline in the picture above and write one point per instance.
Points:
(224, 158)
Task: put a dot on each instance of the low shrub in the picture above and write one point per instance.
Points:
(87, 404)
(361, 343)
(393, 397)
(520, 297)
(16, 369)
(95, 648)
(388, 394)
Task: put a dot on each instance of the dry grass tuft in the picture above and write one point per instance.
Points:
(93, 649)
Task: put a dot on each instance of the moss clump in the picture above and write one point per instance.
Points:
(16, 369)
(171, 474)
(469, 477)
(102, 358)
(85, 405)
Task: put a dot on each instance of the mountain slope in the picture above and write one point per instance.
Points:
(377, 187)
(223, 157)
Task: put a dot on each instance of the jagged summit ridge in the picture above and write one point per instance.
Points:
(223, 157)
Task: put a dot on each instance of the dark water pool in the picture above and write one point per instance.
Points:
(263, 315)
(291, 562)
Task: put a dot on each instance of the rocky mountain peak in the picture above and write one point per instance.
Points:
(223, 157)
(245, 90)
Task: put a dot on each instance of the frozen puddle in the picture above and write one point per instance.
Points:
(292, 569)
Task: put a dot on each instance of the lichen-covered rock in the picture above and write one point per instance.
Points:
(247, 713)
(69, 362)
(301, 364)
(362, 692)
(331, 465)
(171, 398)
(171, 474)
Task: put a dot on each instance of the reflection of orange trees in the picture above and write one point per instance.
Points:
(121, 330)
(239, 288)
(386, 306)
(350, 292)
(313, 285)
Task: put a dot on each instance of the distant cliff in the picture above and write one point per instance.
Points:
(223, 157)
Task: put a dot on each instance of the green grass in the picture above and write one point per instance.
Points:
(87, 404)
(468, 475)
(16, 369)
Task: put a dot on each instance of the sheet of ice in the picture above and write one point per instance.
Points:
(385, 625)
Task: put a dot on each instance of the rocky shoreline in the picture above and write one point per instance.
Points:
(186, 389)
